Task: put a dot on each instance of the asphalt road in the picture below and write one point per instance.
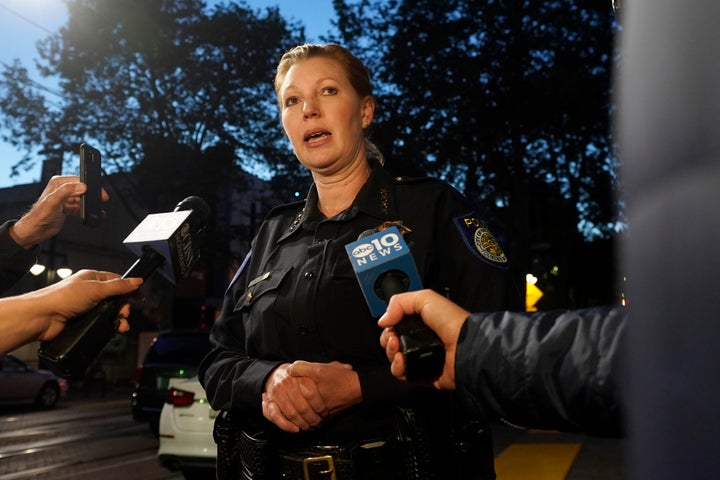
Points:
(80, 439)
(97, 438)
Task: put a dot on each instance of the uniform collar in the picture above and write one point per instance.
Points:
(375, 198)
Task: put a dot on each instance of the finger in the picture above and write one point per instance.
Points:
(392, 346)
(297, 410)
(311, 393)
(397, 367)
(124, 311)
(121, 286)
(68, 195)
(384, 337)
(398, 306)
(345, 366)
(71, 189)
(271, 411)
(300, 368)
(57, 181)
(292, 404)
(123, 326)
(90, 274)
(302, 413)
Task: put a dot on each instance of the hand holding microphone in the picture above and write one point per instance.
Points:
(384, 267)
(166, 241)
(444, 317)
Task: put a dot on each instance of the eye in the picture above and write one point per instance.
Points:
(290, 101)
(329, 91)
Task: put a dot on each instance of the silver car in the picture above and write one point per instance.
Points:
(22, 384)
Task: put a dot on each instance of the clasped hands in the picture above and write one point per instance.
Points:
(301, 395)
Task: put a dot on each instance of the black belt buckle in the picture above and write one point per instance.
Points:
(310, 473)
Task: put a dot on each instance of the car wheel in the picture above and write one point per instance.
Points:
(47, 396)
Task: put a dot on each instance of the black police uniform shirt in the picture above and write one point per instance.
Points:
(296, 296)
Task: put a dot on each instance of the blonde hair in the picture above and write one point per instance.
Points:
(356, 71)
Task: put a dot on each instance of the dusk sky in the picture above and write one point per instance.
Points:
(24, 22)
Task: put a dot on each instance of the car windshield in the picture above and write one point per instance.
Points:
(9, 363)
(179, 348)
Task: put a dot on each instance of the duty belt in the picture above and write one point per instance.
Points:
(332, 462)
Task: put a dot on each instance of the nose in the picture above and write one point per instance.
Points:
(310, 109)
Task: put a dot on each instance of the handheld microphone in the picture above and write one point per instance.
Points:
(169, 242)
(384, 266)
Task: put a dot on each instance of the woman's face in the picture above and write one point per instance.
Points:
(323, 116)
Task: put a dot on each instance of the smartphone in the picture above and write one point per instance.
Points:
(90, 171)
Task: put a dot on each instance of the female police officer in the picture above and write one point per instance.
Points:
(296, 298)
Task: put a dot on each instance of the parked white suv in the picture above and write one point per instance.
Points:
(186, 426)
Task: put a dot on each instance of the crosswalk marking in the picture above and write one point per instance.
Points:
(536, 461)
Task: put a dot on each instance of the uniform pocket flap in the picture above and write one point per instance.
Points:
(260, 285)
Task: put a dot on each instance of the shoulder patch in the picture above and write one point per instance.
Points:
(480, 241)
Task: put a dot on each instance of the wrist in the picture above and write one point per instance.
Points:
(28, 307)
(20, 236)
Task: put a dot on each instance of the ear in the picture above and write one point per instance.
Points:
(367, 111)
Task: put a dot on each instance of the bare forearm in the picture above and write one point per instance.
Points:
(22, 320)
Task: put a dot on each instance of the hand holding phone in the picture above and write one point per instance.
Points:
(90, 171)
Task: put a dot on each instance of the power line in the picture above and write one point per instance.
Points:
(29, 82)
(23, 17)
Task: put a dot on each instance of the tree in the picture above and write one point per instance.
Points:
(132, 73)
(495, 97)
(176, 94)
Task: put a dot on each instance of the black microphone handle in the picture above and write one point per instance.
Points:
(75, 348)
(144, 266)
(424, 351)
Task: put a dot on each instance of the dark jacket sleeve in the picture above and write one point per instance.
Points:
(557, 370)
(15, 261)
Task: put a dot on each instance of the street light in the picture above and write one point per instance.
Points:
(62, 272)
(37, 269)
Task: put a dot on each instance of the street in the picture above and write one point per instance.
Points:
(80, 439)
(89, 438)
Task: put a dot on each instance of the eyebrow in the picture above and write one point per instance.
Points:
(319, 81)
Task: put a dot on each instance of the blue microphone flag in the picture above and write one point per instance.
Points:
(379, 253)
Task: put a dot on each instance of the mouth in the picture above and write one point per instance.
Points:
(316, 135)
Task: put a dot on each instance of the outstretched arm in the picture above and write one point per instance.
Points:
(42, 314)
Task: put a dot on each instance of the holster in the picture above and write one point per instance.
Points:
(225, 434)
(414, 445)
(257, 454)
(243, 452)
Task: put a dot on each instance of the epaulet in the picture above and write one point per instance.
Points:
(415, 180)
(285, 208)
